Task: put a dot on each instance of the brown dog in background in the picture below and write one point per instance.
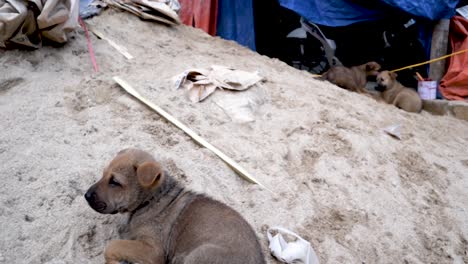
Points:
(168, 224)
(354, 78)
(395, 93)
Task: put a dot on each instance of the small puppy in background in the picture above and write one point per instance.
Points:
(395, 93)
(167, 223)
(354, 78)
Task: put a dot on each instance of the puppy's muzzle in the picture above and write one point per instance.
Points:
(94, 201)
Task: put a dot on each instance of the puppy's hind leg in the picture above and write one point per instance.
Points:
(398, 101)
(206, 253)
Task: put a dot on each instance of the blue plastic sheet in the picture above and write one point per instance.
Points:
(430, 9)
(345, 12)
(87, 10)
(333, 13)
(236, 22)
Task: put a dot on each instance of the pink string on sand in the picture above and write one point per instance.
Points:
(90, 47)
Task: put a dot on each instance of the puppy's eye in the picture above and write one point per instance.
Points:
(114, 183)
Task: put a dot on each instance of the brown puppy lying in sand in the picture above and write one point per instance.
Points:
(354, 78)
(168, 224)
(395, 93)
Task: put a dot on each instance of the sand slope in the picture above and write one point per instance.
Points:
(359, 195)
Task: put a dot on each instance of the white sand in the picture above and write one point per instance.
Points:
(359, 195)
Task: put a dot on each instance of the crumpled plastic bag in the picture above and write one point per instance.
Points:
(299, 251)
(25, 23)
(200, 83)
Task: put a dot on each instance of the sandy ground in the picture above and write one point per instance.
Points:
(359, 195)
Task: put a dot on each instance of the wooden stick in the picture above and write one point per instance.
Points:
(119, 48)
(420, 78)
(236, 167)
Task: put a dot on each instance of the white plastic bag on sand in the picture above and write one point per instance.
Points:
(200, 83)
(299, 251)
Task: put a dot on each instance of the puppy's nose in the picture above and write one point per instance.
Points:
(90, 196)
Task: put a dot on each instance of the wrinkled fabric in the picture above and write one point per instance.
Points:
(25, 23)
(57, 18)
(454, 84)
(337, 13)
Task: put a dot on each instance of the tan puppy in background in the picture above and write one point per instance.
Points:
(354, 78)
(168, 224)
(395, 93)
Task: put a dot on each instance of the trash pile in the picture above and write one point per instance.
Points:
(163, 11)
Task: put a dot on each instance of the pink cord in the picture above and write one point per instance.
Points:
(90, 47)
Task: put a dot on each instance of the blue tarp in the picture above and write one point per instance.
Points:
(236, 22)
(346, 12)
(430, 9)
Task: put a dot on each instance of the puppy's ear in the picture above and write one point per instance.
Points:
(150, 174)
(393, 75)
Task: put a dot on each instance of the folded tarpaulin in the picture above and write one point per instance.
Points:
(346, 12)
(236, 22)
(200, 14)
(454, 85)
(27, 22)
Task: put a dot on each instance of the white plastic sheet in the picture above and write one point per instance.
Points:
(298, 251)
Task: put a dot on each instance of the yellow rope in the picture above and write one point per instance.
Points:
(422, 63)
(431, 61)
